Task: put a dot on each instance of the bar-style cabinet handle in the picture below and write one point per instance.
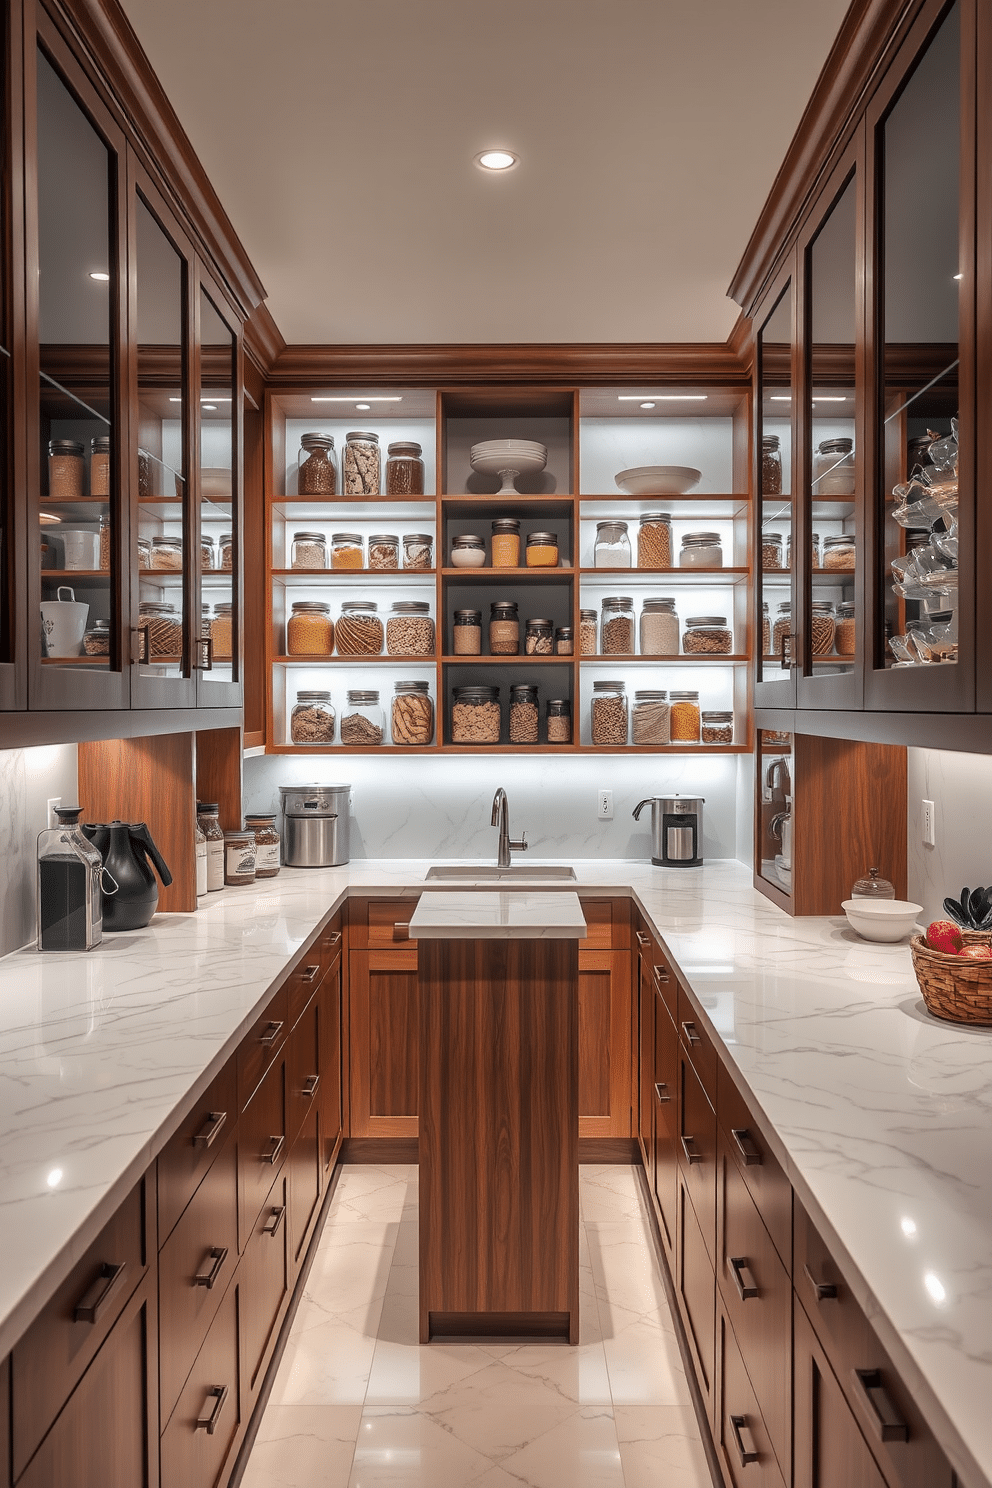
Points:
(691, 1036)
(277, 1146)
(825, 1290)
(692, 1153)
(785, 661)
(661, 1092)
(746, 1146)
(642, 939)
(661, 974)
(208, 1419)
(744, 1441)
(310, 1084)
(208, 1276)
(144, 645)
(93, 1303)
(275, 1219)
(210, 1130)
(886, 1421)
(333, 937)
(309, 972)
(272, 1032)
(743, 1280)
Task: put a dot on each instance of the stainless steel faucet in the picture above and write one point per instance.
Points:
(501, 819)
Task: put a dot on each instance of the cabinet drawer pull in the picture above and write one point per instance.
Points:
(210, 1130)
(885, 1419)
(691, 1036)
(743, 1280)
(275, 1219)
(692, 1153)
(661, 975)
(272, 1032)
(333, 938)
(144, 645)
(208, 1421)
(309, 972)
(277, 1146)
(217, 1255)
(642, 939)
(93, 1302)
(744, 1441)
(746, 1147)
(661, 1092)
(401, 932)
(825, 1290)
(310, 1084)
(205, 647)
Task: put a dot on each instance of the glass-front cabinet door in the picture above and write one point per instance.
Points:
(13, 688)
(775, 631)
(218, 420)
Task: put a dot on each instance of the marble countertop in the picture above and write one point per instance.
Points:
(477, 914)
(881, 1115)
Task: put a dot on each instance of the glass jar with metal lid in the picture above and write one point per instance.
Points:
(208, 820)
(814, 550)
(312, 719)
(363, 723)
(539, 637)
(612, 547)
(608, 715)
(410, 628)
(468, 551)
(65, 469)
(208, 553)
(267, 840)
(833, 468)
(226, 551)
(359, 631)
(506, 542)
(309, 550)
(222, 631)
(316, 475)
(684, 718)
(404, 469)
(707, 635)
(524, 713)
(504, 628)
(616, 636)
(771, 465)
(96, 641)
(701, 550)
(362, 464)
(347, 550)
(650, 717)
(564, 640)
(310, 629)
(839, 551)
(717, 727)
(845, 637)
(558, 721)
(144, 548)
(782, 633)
(466, 633)
(384, 550)
(418, 550)
(542, 550)
(659, 627)
(476, 715)
(654, 540)
(167, 553)
(239, 856)
(822, 626)
(100, 465)
(413, 713)
(587, 632)
(164, 625)
(771, 550)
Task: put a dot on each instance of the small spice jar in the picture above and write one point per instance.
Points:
(418, 550)
(144, 548)
(707, 635)
(410, 628)
(167, 553)
(476, 715)
(105, 531)
(558, 721)
(542, 550)
(96, 641)
(222, 631)
(587, 632)
(650, 717)
(384, 550)
(564, 641)
(782, 634)
(363, 723)
(208, 820)
(771, 465)
(833, 468)
(226, 551)
(654, 540)
(208, 553)
(263, 824)
(771, 550)
(359, 631)
(317, 475)
(506, 543)
(413, 713)
(609, 713)
(839, 551)
(164, 625)
(404, 469)
(524, 714)
(822, 625)
(100, 465)
(617, 627)
(312, 718)
(685, 717)
(362, 473)
(239, 857)
(844, 631)
(612, 546)
(766, 630)
(309, 550)
(504, 628)
(539, 637)
(65, 469)
(310, 629)
(659, 627)
(468, 551)
(701, 550)
(466, 633)
(717, 728)
(347, 550)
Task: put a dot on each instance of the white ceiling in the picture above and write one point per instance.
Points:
(340, 139)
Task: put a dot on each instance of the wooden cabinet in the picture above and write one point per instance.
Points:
(604, 1044)
(201, 1436)
(830, 1451)
(190, 1153)
(329, 1095)
(384, 1065)
(262, 1045)
(695, 1289)
(757, 1165)
(697, 1150)
(264, 1281)
(5, 1423)
(664, 1091)
(261, 1142)
(743, 1443)
(645, 1055)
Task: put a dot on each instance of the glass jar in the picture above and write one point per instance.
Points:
(707, 635)
(504, 628)
(384, 550)
(524, 714)
(659, 628)
(309, 550)
(564, 641)
(873, 886)
(310, 629)
(263, 824)
(558, 721)
(105, 543)
(833, 468)
(766, 631)
(208, 555)
(347, 550)
(685, 717)
(312, 719)
(359, 631)
(226, 547)
(467, 633)
(701, 550)
(317, 475)
(404, 469)
(410, 628)
(814, 547)
(771, 550)
(65, 469)
(363, 724)
(361, 464)
(609, 713)
(771, 465)
(208, 820)
(200, 848)
(413, 713)
(616, 634)
(539, 637)
(782, 634)
(612, 548)
(844, 630)
(144, 548)
(650, 717)
(506, 543)
(164, 625)
(222, 631)
(839, 551)
(239, 857)
(468, 551)
(822, 626)
(717, 728)
(542, 550)
(418, 550)
(96, 641)
(587, 632)
(100, 466)
(476, 715)
(654, 540)
(167, 553)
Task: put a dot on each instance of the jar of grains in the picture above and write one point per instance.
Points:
(833, 468)
(587, 632)
(361, 464)
(701, 550)
(144, 552)
(312, 718)
(239, 857)
(766, 631)
(839, 551)
(413, 713)
(65, 469)
(410, 628)
(263, 824)
(317, 475)
(226, 549)
(539, 637)
(822, 625)
(147, 467)
(476, 716)
(222, 631)
(208, 553)
(468, 551)
(771, 465)
(559, 721)
(542, 550)
(659, 628)
(504, 628)
(609, 713)
(654, 540)
(384, 550)
(814, 550)
(164, 626)
(363, 721)
(310, 629)
(650, 720)
(105, 531)
(685, 717)
(466, 633)
(359, 631)
(524, 714)
(771, 550)
(717, 728)
(167, 553)
(782, 634)
(612, 548)
(707, 635)
(347, 550)
(564, 640)
(418, 550)
(309, 550)
(616, 633)
(506, 543)
(844, 631)
(208, 820)
(404, 469)
(96, 641)
(100, 466)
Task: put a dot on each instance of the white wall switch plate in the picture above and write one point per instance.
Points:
(929, 825)
(606, 805)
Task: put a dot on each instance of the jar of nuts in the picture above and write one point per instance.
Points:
(771, 550)
(559, 721)
(707, 635)
(524, 714)
(226, 552)
(384, 550)
(222, 631)
(839, 551)
(361, 464)
(418, 550)
(312, 719)
(316, 475)
(310, 629)
(467, 633)
(506, 542)
(263, 824)
(609, 713)
(587, 632)
(617, 627)
(359, 631)
(539, 637)
(654, 540)
(96, 641)
(413, 713)
(684, 720)
(822, 626)
(504, 628)
(650, 717)
(404, 469)
(100, 465)
(410, 628)
(309, 550)
(476, 716)
(844, 632)
(363, 722)
(347, 550)
(717, 728)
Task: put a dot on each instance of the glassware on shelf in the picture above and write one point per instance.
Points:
(685, 720)
(100, 465)
(309, 550)
(873, 886)
(558, 721)
(384, 551)
(208, 553)
(659, 627)
(716, 727)
(412, 718)
(476, 715)
(822, 626)
(654, 540)
(105, 539)
(362, 470)
(587, 632)
(616, 636)
(310, 629)
(312, 719)
(404, 469)
(609, 722)
(467, 633)
(226, 552)
(650, 717)
(506, 542)
(524, 713)
(208, 820)
(844, 632)
(707, 635)
(167, 553)
(612, 547)
(564, 640)
(814, 550)
(418, 550)
(410, 628)
(468, 551)
(363, 723)
(771, 550)
(504, 628)
(771, 465)
(359, 631)
(347, 550)
(839, 552)
(782, 633)
(144, 550)
(833, 468)
(539, 637)
(66, 475)
(317, 475)
(542, 550)
(766, 630)
(701, 550)
(96, 641)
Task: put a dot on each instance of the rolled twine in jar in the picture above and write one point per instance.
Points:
(358, 635)
(650, 722)
(822, 634)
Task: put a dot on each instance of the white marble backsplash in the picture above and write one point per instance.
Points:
(960, 786)
(405, 807)
(29, 778)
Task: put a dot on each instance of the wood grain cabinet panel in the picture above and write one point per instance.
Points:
(742, 1440)
(386, 924)
(695, 1289)
(261, 1144)
(189, 1153)
(697, 1151)
(301, 986)
(605, 1044)
(198, 1439)
(698, 1045)
(646, 1066)
(306, 1174)
(384, 1010)
(262, 1045)
(263, 1280)
(830, 1451)
(761, 1171)
(664, 1092)
(329, 1095)
(303, 1073)
(598, 915)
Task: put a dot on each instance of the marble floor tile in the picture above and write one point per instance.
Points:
(499, 1410)
(607, 1192)
(661, 1446)
(408, 1449)
(580, 1452)
(304, 1446)
(352, 1265)
(386, 1193)
(328, 1358)
(624, 1267)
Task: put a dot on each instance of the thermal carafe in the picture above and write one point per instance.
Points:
(315, 825)
(676, 830)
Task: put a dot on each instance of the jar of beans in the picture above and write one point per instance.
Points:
(418, 550)
(504, 628)
(476, 716)
(650, 717)
(659, 627)
(771, 465)
(468, 551)
(822, 626)
(771, 550)
(542, 550)
(100, 466)
(707, 635)
(844, 632)
(309, 550)
(263, 824)
(524, 714)
(347, 550)
(564, 641)
(467, 633)
(612, 546)
(839, 551)
(167, 553)
(222, 631)
(404, 469)
(363, 722)
(616, 635)
(539, 637)
(312, 719)
(310, 629)
(65, 469)
(685, 717)
(413, 713)
(506, 543)
(609, 713)
(587, 632)
(317, 475)
(717, 728)
(701, 550)
(559, 721)
(362, 472)
(782, 634)
(410, 628)
(164, 626)
(384, 550)
(654, 540)
(359, 631)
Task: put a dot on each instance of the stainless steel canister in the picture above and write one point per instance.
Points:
(315, 825)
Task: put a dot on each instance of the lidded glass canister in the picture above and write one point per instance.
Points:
(312, 719)
(701, 550)
(310, 629)
(309, 550)
(506, 542)
(524, 713)
(659, 627)
(362, 470)
(612, 547)
(650, 717)
(363, 722)
(684, 718)
(833, 468)
(404, 469)
(413, 713)
(267, 860)
(771, 465)
(418, 550)
(467, 633)
(539, 637)
(609, 713)
(317, 475)
(654, 540)
(504, 628)
(616, 636)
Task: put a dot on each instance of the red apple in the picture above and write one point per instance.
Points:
(944, 935)
(976, 953)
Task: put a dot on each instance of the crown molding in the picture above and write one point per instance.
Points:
(264, 342)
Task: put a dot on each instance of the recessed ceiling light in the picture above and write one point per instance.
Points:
(496, 160)
(356, 402)
(100, 275)
(664, 397)
(649, 405)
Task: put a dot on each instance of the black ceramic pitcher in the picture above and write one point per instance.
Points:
(126, 848)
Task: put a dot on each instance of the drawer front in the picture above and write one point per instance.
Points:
(696, 1290)
(205, 1422)
(263, 1280)
(305, 1184)
(303, 1073)
(765, 1178)
(837, 1318)
(329, 1094)
(598, 915)
(63, 1339)
(5, 1422)
(195, 1267)
(387, 923)
(742, 1440)
(261, 1144)
(655, 965)
(666, 1123)
(303, 982)
(331, 943)
(698, 1045)
(190, 1153)
(697, 1151)
(830, 1451)
(261, 1045)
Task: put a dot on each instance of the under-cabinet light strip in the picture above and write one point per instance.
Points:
(356, 400)
(661, 397)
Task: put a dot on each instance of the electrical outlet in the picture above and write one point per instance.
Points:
(606, 805)
(52, 803)
(929, 825)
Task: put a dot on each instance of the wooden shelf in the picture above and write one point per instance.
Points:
(736, 659)
(312, 575)
(487, 573)
(682, 577)
(357, 501)
(65, 575)
(383, 660)
(657, 503)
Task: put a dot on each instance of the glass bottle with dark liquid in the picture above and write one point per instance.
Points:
(70, 900)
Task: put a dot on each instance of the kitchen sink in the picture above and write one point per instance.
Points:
(498, 875)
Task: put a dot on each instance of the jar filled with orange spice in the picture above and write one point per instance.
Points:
(310, 629)
(506, 543)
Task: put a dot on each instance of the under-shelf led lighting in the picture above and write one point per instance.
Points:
(781, 397)
(664, 397)
(99, 275)
(496, 160)
(356, 401)
(363, 407)
(830, 398)
(48, 519)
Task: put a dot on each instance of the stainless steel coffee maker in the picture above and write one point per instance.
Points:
(315, 825)
(676, 830)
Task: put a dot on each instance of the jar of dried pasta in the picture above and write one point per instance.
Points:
(467, 633)
(524, 713)
(404, 469)
(617, 628)
(239, 857)
(717, 728)
(418, 550)
(312, 718)
(164, 626)
(654, 540)
(410, 628)
(222, 631)
(413, 713)
(167, 553)
(309, 550)
(650, 717)
(506, 543)
(539, 637)
(263, 824)
(822, 625)
(347, 550)
(504, 628)
(844, 631)
(684, 721)
(100, 465)
(608, 715)
(587, 632)
(359, 631)
(542, 550)
(384, 550)
(707, 635)
(310, 629)
(362, 464)
(558, 721)
(316, 476)
(65, 469)
(363, 722)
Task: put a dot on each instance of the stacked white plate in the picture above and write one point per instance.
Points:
(508, 458)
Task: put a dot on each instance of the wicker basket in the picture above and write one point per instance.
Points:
(956, 990)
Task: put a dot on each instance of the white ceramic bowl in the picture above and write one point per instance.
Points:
(882, 919)
(658, 480)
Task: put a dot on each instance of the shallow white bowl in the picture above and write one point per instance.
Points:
(658, 480)
(882, 919)
(215, 481)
